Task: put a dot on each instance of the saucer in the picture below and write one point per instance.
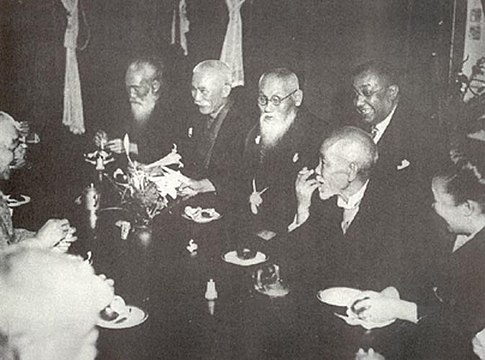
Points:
(338, 296)
(12, 203)
(132, 317)
(232, 258)
(195, 215)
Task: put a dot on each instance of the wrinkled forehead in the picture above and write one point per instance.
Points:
(207, 78)
(272, 85)
(368, 79)
(8, 133)
(136, 75)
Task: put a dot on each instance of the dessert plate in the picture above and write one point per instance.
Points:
(200, 215)
(133, 316)
(232, 258)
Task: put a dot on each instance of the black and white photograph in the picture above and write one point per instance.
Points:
(242, 179)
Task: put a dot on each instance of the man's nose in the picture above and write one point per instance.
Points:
(359, 100)
(197, 95)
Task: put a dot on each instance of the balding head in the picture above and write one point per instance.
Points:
(8, 129)
(346, 159)
(355, 146)
(9, 141)
(288, 78)
(211, 86)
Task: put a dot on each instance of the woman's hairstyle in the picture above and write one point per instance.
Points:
(464, 181)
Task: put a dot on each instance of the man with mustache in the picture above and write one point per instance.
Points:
(411, 146)
(285, 139)
(150, 127)
(214, 138)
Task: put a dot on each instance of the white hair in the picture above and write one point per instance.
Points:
(215, 66)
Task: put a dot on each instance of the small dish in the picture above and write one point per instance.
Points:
(200, 215)
(232, 258)
(133, 316)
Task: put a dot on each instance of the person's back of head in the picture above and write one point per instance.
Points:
(50, 304)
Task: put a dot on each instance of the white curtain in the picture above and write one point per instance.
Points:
(183, 26)
(73, 116)
(232, 53)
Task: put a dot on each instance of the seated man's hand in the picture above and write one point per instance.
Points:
(100, 138)
(65, 244)
(116, 146)
(53, 232)
(376, 307)
(479, 344)
(304, 187)
(191, 187)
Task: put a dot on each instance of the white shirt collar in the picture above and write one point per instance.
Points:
(354, 200)
(382, 126)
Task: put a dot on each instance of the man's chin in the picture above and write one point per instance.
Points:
(325, 195)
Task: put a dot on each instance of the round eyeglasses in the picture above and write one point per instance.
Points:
(275, 99)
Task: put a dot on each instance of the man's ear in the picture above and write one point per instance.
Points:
(393, 91)
(226, 90)
(298, 97)
(353, 171)
(156, 86)
(470, 207)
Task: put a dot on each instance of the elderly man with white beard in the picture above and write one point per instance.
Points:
(285, 139)
(150, 126)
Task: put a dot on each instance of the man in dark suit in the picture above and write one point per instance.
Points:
(354, 234)
(213, 142)
(411, 146)
(286, 138)
(150, 126)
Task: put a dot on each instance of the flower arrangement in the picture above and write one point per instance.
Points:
(146, 190)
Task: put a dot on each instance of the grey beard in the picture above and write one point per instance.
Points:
(142, 112)
(271, 135)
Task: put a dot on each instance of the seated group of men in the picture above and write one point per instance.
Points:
(340, 206)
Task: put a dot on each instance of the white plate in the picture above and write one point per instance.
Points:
(345, 297)
(338, 296)
(16, 203)
(232, 258)
(201, 219)
(134, 316)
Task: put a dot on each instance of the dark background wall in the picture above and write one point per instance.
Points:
(320, 40)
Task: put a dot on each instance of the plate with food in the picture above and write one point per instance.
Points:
(244, 257)
(118, 315)
(200, 215)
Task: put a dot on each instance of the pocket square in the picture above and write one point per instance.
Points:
(404, 164)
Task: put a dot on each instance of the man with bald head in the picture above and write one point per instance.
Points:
(214, 138)
(348, 229)
(150, 124)
(285, 139)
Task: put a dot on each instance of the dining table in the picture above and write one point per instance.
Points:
(160, 273)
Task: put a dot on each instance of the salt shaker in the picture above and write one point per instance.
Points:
(211, 292)
(211, 295)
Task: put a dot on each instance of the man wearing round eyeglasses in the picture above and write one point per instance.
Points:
(408, 143)
(285, 139)
(150, 126)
